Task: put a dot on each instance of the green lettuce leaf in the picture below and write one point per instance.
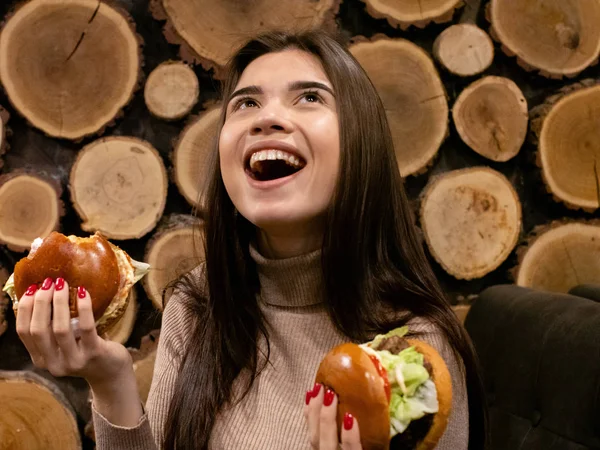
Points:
(140, 269)
(9, 288)
(404, 409)
(401, 332)
(413, 393)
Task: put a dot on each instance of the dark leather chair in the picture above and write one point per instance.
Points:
(540, 354)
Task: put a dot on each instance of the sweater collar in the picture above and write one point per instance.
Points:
(290, 282)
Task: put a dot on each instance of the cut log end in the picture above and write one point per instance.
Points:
(70, 67)
(560, 256)
(413, 96)
(192, 154)
(175, 249)
(35, 414)
(122, 329)
(419, 14)
(566, 129)
(171, 91)
(30, 207)
(567, 38)
(491, 117)
(143, 362)
(119, 187)
(464, 50)
(207, 38)
(471, 219)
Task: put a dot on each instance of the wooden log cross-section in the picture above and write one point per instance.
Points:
(35, 414)
(471, 219)
(464, 49)
(566, 129)
(69, 66)
(403, 14)
(491, 117)
(191, 156)
(560, 256)
(171, 90)
(555, 37)
(30, 207)
(413, 96)
(121, 330)
(209, 31)
(173, 250)
(119, 187)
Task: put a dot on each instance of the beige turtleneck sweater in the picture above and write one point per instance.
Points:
(270, 416)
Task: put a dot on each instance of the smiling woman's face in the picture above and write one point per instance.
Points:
(279, 147)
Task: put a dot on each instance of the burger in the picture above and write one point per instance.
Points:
(398, 389)
(102, 268)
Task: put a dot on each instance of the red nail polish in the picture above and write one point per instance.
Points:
(47, 284)
(31, 290)
(348, 421)
(316, 389)
(59, 284)
(308, 396)
(81, 292)
(328, 400)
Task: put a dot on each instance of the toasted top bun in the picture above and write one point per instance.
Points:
(349, 371)
(443, 384)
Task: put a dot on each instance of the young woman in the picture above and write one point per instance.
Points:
(312, 248)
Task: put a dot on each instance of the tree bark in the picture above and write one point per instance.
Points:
(210, 31)
(491, 117)
(565, 128)
(35, 414)
(191, 156)
(471, 219)
(4, 133)
(171, 91)
(555, 37)
(175, 249)
(464, 50)
(402, 14)
(413, 96)
(4, 300)
(119, 187)
(30, 207)
(560, 256)
(69, 66)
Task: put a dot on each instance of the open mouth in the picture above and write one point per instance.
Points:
(267, 165)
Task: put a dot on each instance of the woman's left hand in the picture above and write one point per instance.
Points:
(320, 412)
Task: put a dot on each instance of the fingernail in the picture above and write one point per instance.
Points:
(348, 421)
(328, 400)
(31, 290)
(81, 292)
(316, 389)
(59, 284)
(47, 284)
(308, 396)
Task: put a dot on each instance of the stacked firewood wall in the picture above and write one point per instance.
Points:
(108, 111)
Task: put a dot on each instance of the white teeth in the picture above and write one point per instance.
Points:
(263, 155)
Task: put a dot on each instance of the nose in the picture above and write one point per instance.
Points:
(269, 122)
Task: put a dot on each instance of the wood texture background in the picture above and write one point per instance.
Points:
(29, 147)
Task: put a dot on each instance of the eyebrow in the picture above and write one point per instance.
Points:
(294, 86)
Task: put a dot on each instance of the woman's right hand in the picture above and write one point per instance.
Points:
(44, 326)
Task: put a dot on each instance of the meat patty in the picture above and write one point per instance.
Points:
(395, 344)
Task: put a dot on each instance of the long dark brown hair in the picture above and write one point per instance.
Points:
(384, 268)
